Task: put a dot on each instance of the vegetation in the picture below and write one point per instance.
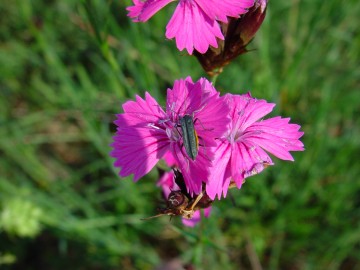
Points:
(65, 69)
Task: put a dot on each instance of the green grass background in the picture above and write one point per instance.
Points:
(65, 69)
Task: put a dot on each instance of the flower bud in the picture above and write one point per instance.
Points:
(238, 33)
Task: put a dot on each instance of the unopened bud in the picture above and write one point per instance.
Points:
(237, 35)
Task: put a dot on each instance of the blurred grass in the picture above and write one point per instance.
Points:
(65, 69)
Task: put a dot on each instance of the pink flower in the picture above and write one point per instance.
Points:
(146, 133)
(241, 151)
(194, 23)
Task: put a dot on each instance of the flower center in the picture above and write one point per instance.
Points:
(171, 130)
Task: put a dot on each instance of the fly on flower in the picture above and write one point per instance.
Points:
(181, 203)
(178, 205)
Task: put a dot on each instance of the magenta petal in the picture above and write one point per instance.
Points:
(218, 183)
(279, 126)
(139, 142)
(194, 172)
(137, 150)
(207, 211)
(135, 11)
(247, 159)
(140, 112)
(225, 8)
(192, 28)
(276, 136)
(208, 90)
(144, 10)
(247, 110)
(183, 98)
(213, 120)
(169, 159)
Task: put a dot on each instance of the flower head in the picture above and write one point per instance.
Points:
(147, 133)
(194, 24)
(241, 151)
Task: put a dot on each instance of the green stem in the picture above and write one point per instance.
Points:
(214, 78)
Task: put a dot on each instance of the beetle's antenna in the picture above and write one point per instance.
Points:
(158, 215)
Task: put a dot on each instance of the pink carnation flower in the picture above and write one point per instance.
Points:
(241, 151)
(146, 133)
(194, 22)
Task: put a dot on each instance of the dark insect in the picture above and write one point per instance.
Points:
(190, 138)
(180, 203)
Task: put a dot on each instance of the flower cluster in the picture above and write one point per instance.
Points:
(232, 137)
(211, 142)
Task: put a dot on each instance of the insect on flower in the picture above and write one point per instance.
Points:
(180, 203)
(190, 137)
(146, 133)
